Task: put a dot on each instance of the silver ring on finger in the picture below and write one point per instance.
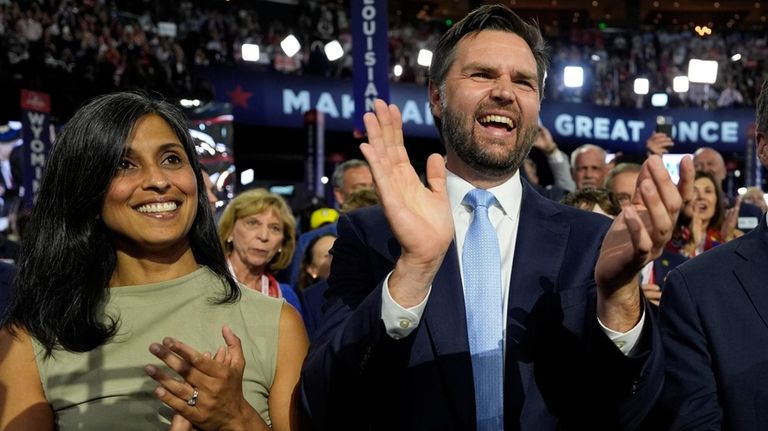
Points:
(193, 401)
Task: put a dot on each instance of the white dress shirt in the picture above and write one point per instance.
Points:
(505, 217)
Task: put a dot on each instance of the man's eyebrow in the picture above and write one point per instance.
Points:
(478, 66)
(482, 67)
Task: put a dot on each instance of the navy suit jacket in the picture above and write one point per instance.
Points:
(665, 263)
(562, 371)
(714, 325)
(313, 306)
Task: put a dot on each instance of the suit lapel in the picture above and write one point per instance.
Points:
(445, 320)
(752, 272)
(539, 252)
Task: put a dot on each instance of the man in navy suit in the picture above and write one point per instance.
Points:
(714, 322)
(579, 350)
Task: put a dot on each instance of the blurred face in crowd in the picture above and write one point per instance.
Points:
(151, 202)
(488, 105)
(589, 169)
(709, 160)
(755, 197)
(210, 191)
(356, 178)
(705, 199)
(530, 171)
(256, 239)
(623, 187)
(320, 267)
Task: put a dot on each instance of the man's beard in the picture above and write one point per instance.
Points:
(480, 157)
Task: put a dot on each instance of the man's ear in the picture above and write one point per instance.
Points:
(761, 142)
(434, 100)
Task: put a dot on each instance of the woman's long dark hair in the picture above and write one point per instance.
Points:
(67, 257)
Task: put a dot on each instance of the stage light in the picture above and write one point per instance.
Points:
(736, 57)
(642, 85)
(703, 30)
(573, 76)
(290, 45)
(659, 99)
(250, 52)
(333, 50)
(397, 70)
(424, 58)
(189, 103)
(680, 84)
(702, 71)
(246, 177)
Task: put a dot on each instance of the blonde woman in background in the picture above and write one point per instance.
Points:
(258, 234)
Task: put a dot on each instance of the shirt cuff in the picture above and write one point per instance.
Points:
(399, 321)
(625, 341)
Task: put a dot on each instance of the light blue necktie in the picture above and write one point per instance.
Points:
(481, 262)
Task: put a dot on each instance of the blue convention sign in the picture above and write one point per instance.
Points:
(370, 55)
(277, 100)
(617, 129)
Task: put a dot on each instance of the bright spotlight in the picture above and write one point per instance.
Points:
(397, 70)
(736, 57)
(333, 50)
(702, 71)
(573, 76)
(680, 84)
(324, 179)
(246, 177)
(642, 85)
(290, 45)
(250, 52)
(424, 58)
(659, 99)
(189, 103)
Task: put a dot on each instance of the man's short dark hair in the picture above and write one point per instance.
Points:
(489, 17)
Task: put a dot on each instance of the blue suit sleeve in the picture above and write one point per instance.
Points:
(351, 338)
(689, 400)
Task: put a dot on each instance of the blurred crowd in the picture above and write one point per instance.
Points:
(78, 49)
(612, 60)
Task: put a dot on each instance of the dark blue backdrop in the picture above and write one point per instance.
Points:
(267, 99)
